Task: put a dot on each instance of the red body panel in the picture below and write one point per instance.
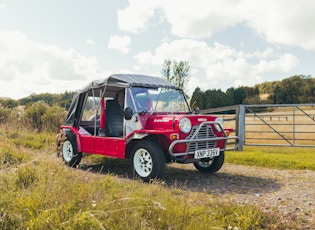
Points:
(108, 146)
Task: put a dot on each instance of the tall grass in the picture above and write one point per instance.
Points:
(38, 192)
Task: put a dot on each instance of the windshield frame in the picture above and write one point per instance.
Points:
(165, 100)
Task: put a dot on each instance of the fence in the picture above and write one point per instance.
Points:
(270, 124)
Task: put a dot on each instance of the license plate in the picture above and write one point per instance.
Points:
(207, 153)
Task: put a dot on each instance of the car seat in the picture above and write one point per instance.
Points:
(114, 119)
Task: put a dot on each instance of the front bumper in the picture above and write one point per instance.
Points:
(193, 139)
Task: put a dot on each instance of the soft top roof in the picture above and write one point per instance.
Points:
(119, 80)
(126, 80)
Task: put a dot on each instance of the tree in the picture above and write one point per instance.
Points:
(167, 70)
(215, 98)
(176, 72)
(197, 99)
(8, 103)
(239, 95)
(236, 96)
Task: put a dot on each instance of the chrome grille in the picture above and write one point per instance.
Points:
(204, 132)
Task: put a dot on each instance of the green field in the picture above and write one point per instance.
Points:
(39, 192)
(274, 157)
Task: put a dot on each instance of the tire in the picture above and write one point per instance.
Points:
(148, 161)
(70, 153)
(211, 166)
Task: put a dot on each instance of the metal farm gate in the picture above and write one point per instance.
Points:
(290, 125)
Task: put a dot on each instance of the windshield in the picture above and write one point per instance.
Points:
(159, 100)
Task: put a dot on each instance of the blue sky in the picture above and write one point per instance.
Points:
(54, 45)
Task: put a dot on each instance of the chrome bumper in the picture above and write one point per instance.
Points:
(193, 140)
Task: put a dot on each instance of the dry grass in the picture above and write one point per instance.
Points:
(38, 192)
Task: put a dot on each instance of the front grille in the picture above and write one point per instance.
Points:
(204, 132)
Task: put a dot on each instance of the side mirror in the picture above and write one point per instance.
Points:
(128, 113)
(197, 110)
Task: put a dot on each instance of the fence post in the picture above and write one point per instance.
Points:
(240, 126)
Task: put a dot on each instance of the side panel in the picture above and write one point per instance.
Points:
(87, 143)
(108, 146)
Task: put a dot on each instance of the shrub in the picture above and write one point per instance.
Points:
(42, 117)
(53, 118)
(33, 115)
(6, 115)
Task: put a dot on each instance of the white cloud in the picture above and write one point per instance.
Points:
(2, 5)
(24, 63)
(198, 19)
(218, 65)
(135, 17)
(90, 42)
(289, 22)
(119, 43)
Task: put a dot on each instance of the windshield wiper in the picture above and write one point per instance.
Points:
(142, 112)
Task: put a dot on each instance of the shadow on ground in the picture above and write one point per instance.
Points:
(188, 178)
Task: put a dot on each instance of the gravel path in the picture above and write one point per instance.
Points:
(288, 194)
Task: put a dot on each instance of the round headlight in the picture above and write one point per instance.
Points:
(184, 125)
(219, 122)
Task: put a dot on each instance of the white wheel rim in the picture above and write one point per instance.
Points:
(67, 151)
(143, 162)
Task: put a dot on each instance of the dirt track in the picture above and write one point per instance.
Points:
(288, 194)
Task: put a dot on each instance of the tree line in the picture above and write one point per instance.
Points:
(293, 90)
(61, 100)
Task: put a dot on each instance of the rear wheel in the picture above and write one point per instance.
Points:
(70, 154)
(211, 166)
(148, 161)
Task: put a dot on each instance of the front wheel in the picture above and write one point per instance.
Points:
(148, 161)
(70, 154)
(211, 166)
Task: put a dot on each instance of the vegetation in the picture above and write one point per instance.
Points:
(38, 192)
(274, 157)
(292, 90)
(176, 73)
(61, 100)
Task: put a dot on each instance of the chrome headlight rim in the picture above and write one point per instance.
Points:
(184, 125)
(219, 124)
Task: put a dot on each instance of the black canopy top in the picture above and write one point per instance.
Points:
(119, 80)
(127, 80)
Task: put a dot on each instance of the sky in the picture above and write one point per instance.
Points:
(53, 46)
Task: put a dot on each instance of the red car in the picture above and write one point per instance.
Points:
(142, 118)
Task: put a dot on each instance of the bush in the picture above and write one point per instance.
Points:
(6, 115)
(42, 117)
(53, 118)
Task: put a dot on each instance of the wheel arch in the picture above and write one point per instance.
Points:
(71, 134)
(151, 137)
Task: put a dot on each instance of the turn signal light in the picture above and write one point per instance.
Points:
(173, 136)
(227, 132)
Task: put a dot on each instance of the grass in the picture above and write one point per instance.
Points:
(38, 192)
(45, 195)
(274, 157)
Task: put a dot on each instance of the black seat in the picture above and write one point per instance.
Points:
(114, 118)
